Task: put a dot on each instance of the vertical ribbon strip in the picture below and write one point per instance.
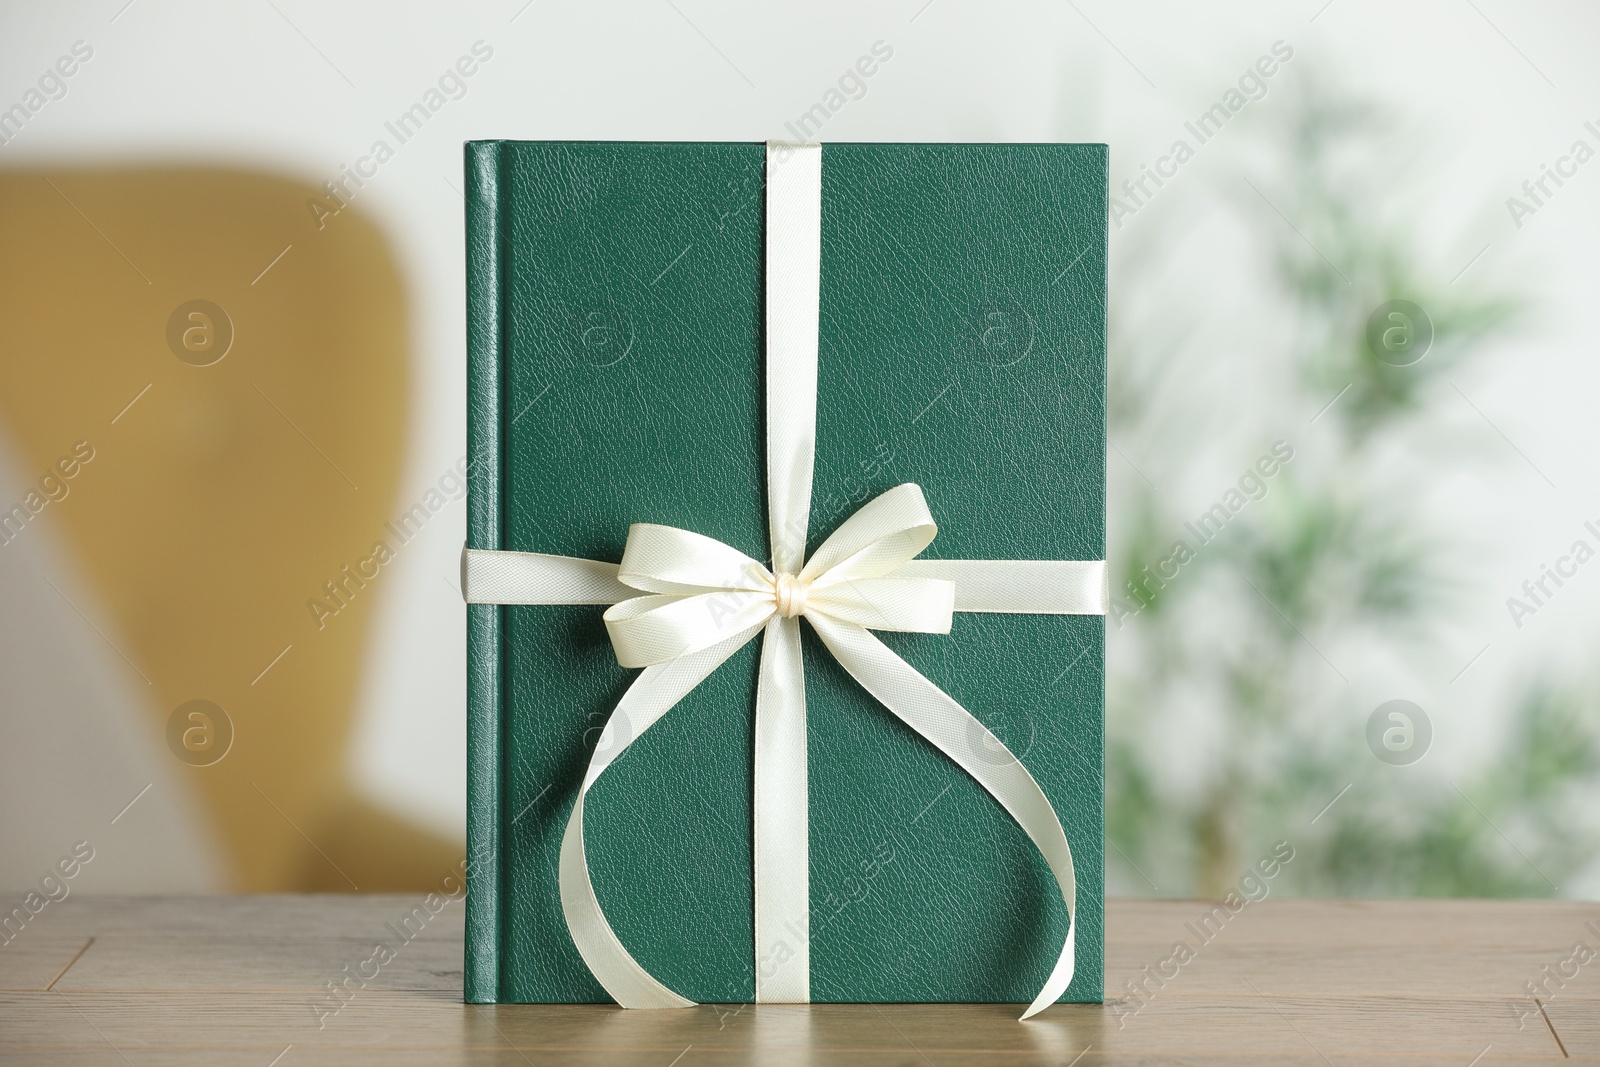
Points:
(703, 600)
(782, 850)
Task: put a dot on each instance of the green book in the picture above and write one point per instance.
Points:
(615, 364)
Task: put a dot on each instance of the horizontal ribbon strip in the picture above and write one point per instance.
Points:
(1008, 586)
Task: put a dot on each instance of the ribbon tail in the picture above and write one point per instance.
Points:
(652, 695)
(782, 864)
(953, 730)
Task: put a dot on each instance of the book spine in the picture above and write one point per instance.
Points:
(486, 241)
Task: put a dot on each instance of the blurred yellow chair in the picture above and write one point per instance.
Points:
(244, 451)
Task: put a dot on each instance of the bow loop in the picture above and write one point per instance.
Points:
(885, 532)
(659, 628)
(665, 559)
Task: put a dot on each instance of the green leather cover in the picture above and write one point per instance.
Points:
(615, 366)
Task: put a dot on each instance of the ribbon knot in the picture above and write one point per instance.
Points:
(789, 593)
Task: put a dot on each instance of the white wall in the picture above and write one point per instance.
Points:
(239, 83)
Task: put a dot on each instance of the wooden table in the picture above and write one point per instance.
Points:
(242, 980)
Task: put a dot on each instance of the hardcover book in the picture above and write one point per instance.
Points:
(615, 340)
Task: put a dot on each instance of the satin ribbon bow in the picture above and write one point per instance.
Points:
(705, 591)
(703, 600)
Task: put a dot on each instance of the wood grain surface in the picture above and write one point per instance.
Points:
(245, 980)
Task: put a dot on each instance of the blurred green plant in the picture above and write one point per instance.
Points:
(1230, 656)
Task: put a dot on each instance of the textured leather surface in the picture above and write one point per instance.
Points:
(615, 362)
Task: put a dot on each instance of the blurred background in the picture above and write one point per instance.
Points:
(1352, 514)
